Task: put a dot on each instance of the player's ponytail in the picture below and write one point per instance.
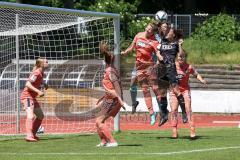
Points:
(178, 34)
(39, 63)
(104, 49)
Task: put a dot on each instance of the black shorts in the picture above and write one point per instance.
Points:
(168, 72)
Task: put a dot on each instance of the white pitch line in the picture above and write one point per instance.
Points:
(130, 153)
(238, 122)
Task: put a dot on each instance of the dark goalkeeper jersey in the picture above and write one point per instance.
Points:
(169, 51)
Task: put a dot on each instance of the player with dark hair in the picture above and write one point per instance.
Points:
(111, 102)
(171, 45)
(163, 84)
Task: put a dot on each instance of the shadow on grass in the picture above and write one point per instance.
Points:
(9, 140)
(50, 138)
(186, 137)
(47, 138)
(142, 133)
(65, 137)
(130, 145)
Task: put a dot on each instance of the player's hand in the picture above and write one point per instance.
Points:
(204, 82)
(106, 116)
(121, 103)
(41, 94)
(123, 53)
(160, 58)
(180, 41)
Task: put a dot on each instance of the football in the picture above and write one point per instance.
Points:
(161, 16)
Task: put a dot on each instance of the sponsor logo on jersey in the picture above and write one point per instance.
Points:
(141, 44)
(167, 47)
(180, 76)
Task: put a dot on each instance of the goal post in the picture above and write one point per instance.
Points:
(117, 64)
(69, 39)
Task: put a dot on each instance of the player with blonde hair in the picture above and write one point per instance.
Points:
(28, 99)
(145, 45)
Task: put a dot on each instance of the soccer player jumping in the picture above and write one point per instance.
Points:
(145, 45)
(170, 46)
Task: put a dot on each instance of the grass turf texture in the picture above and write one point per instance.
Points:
(132, 145)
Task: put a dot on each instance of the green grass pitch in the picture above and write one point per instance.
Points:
(211, 144)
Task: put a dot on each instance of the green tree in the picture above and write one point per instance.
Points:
(125, 9)
(219, 28)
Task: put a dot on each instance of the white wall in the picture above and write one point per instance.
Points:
(202, 101)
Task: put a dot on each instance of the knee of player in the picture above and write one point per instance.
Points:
(98, 121)
(174, 112)
(155, 88)
(189, 111)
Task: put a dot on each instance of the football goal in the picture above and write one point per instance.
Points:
(69, 39)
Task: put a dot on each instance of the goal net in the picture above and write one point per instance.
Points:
(69, 39)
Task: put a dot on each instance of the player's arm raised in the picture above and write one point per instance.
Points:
(130, 48)
(45, 85)
(180, 43)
